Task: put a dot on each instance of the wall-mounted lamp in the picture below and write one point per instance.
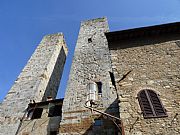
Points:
(92, 94)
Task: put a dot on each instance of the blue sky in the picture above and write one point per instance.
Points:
(23, 23)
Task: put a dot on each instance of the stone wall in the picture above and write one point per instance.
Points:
(39, 79)
(152, 63)
(44, 125)
(91, 62)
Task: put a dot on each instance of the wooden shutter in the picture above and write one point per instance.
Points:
(150, 104)
(145, 104)
(156, 103)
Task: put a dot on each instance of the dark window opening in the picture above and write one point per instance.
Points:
(150, 104)
(53, 132)
(55, 110)
(99, 84)
(89, 40)
(35, 113)
(112, 78)
(97, 122)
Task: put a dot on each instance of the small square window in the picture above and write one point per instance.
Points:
(89, 40)
(34, 113)
(55, 110)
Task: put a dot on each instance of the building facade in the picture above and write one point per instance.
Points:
(123, 82)
(146, 64)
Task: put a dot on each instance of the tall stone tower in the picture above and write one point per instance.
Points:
(39, 79)
(91, 63)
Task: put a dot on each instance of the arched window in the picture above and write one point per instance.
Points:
(150, 104)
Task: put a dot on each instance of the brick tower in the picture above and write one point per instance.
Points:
(39, 79)
(91, 63)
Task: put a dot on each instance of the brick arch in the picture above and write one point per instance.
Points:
(155, 89)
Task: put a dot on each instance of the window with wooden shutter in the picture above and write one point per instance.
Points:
(150, 104)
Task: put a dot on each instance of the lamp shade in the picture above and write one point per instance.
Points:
(92, 91)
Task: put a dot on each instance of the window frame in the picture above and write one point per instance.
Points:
(150, 104)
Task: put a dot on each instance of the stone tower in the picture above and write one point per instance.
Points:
(129, 77)
(91, 63)
(39, 79)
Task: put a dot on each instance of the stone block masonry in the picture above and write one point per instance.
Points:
(154, 63)
(39, 78)
(138, 76)
(91, 62)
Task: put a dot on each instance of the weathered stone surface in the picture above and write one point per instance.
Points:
(154, 66)
(40, 78)
(42, 126)
(138, 60)
(91, 62)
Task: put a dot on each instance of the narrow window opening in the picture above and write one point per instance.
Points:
(53, 132)
(34, 113)
(99, 84)
(55, 110)
(89, 40)
(112, 78)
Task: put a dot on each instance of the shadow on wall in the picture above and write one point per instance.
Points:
(54, 81)
(141, 41)
(103, 124)
(55, 116)
(97, 123)
(53, 125)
